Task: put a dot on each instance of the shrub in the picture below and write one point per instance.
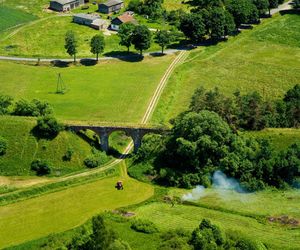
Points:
(144, 226)
(91, 162)
(47, 127)
(40, 167)
(5, 102)
(96, 159)
(33, 108)
(68, 155)
(3, 145)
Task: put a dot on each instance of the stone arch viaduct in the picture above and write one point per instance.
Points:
(104, 132)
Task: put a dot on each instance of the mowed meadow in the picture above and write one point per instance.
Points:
(112, 91)
(265, 59)
(10, 18)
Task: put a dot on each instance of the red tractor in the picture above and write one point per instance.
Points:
(119, 185)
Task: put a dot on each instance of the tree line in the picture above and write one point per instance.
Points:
(250, 111)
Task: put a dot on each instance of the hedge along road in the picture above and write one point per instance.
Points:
(149, 110)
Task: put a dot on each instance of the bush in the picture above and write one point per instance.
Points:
(144, 226)
(5, 102)
(48, 127)
(3, 145)
(33, 108)
(68, 155)
(96, 159)
(40, 167)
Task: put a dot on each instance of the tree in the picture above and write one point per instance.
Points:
(163, 38)
(292, 101)
(141, 38)
(125, 34)
(262, 6)
(71, 44)
(102, 237)
(272, 4)
(40, 167)
(48, 127)
(243, 11)
(5, 102)
(218, 23)
(193, 26)
(97, 45)
(3, 145)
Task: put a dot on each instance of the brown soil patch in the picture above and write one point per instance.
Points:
(284, 220)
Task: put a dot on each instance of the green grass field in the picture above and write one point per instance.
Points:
(23, 148)
(63, 210)
(279, 138)
(189, 217)
(12, 17)
(265, 59)
(112, 91)
(33, 41)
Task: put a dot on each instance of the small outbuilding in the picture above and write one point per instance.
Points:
(90, 20)
(118, 21)
(110, 6)
(65, 5)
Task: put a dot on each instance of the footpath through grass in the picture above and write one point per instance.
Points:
(63, 210)
(112, 91)
(265, 59)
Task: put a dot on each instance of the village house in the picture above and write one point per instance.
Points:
(90, 20)
(118, 21)
(110, 6)
(65, 5)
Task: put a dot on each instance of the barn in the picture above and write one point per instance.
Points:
(110, 6)
(65, 5)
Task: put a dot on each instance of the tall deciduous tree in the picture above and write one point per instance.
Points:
(125, 34)
(163, 38)
(71, 44)
(141, 38)
(97, 45)
(193, 26)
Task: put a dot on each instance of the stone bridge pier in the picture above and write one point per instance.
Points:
(136, 134)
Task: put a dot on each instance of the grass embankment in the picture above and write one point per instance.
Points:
(12, 17)
(63, 210)
(112, 91)
(23, 148)
(265, 59)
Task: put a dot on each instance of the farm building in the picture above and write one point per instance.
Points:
(110, 6)
(65, 5)
(118, 21)
(93, 21)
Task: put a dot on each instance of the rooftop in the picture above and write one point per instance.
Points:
(87, 16)
(125, 18)
(110, 3)
(63, 2)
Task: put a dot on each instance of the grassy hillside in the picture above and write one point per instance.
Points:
(23, 148)
(265, 59)
(279, 138)
(12, 17)
(66, 209)
(110, 91)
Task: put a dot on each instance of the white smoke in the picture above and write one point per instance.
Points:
(195, 194)
(221, 184)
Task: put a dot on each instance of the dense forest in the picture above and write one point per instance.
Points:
(206, 138)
